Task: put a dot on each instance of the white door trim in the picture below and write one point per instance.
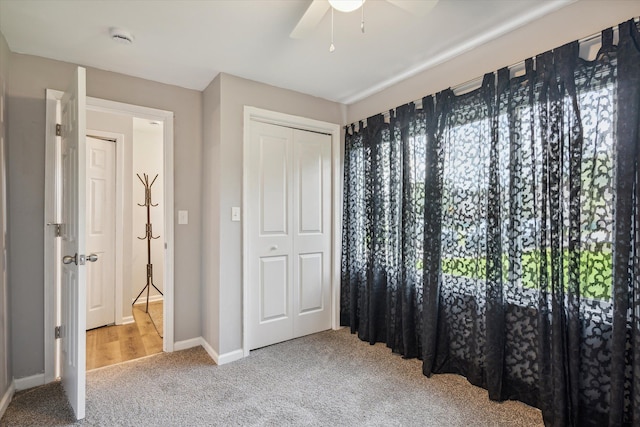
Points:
(166, 117)
(51, 314)
(303, 123)
(51, 297)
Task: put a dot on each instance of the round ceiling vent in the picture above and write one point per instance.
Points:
(121, 35)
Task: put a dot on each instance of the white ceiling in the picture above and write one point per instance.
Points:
(187, 43)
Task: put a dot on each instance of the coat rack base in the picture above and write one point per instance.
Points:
(147, 287)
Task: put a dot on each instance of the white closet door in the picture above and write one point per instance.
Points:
(101, 232)
(270, 243)
(289, 225)
(311, 232)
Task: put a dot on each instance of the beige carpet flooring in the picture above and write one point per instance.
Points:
(326, 379)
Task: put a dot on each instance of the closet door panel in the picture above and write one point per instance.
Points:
(274, 183)
(270, 241)
(312, 235)
(311, 280)
(274, 288)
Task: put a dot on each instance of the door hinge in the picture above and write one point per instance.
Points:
(58, 129)
(57, 332)
(57, 229)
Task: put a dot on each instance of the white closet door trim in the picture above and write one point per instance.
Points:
(303, 123)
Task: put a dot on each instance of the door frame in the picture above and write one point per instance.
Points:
(254, 114)
(51, 293)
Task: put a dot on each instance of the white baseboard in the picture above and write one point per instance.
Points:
(128, 319)
(183, 345)
(232, 356)
(152, 298)
(212, 353)
(219, 359)
(28, 382)
(6, 398)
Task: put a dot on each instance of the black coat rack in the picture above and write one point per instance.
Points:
(148, 236)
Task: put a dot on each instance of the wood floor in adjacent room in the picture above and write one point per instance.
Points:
(114, 344)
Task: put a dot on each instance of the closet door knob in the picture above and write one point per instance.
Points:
(274, 247)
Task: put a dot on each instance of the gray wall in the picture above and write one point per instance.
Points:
(211, 182)
(234, 93)
(29, 77)
(6, 374)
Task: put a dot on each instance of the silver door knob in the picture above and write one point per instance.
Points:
(92, 258)
(273, 247)
(68, 259)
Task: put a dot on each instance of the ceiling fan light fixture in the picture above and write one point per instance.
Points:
(346, 5)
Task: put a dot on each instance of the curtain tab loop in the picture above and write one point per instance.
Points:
(503, 80)
(488, 88)
(607, 38)
(528, 65)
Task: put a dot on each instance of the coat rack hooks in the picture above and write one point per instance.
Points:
(147, 189)
(147, 202)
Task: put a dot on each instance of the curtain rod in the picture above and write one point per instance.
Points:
(589, 41)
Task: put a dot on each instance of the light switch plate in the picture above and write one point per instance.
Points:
(235, 213)
(183, 217)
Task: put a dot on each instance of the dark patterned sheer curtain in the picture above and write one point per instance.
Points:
(383, 230)
(495, 234)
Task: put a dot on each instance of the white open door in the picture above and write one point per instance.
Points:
(74, 286)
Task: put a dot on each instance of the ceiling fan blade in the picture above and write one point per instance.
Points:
(415, 7)
(311, 18)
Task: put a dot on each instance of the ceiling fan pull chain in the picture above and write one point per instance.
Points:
(332, 47)
(362, 22)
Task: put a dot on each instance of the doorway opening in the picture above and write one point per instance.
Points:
(135, 329)
(141, 142)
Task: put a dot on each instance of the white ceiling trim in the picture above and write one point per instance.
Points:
(480, 39)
